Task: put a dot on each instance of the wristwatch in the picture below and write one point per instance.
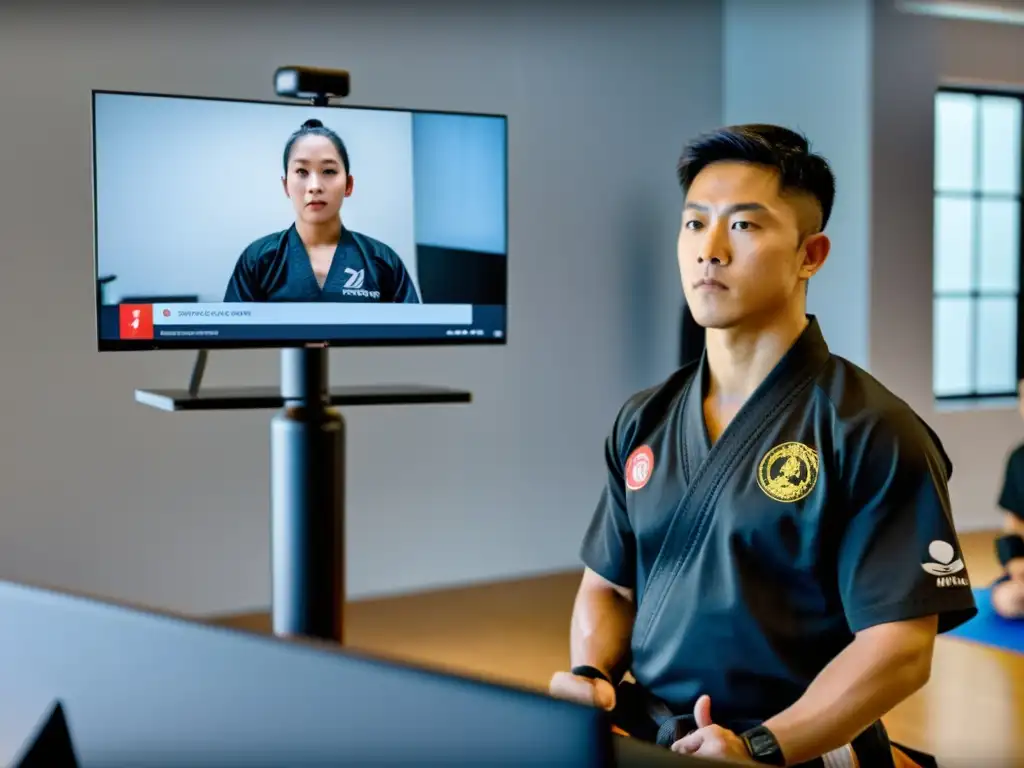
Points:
(762, 746)
(585, 670)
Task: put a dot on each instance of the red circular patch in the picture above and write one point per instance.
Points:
(639, 466)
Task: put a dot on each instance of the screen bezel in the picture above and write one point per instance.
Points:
(200, 343)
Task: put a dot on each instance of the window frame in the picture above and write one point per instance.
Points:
(977, 295)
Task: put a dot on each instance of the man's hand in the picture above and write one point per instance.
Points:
(710, 740)
(583, 690)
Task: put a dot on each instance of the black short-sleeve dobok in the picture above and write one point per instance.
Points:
(822, 510)
(276, 267)
(1011, 497)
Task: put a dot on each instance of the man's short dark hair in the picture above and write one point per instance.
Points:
(787, 151)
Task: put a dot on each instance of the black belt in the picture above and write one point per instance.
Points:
(646, 717)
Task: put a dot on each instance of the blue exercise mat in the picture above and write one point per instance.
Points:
(989, 628)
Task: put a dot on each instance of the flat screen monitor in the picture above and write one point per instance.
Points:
(141, 689)
(231, 223)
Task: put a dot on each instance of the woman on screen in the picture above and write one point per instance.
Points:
(318, 258)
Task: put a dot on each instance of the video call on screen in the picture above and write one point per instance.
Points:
(186, 187)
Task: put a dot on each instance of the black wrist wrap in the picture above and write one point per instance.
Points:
(1009, 547)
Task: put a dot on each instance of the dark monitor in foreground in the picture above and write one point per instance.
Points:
(272, 224)
(142, 689)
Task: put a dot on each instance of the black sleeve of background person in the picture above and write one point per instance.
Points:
(456, 276)
(898, 506)
(609, 544)
(1011, 497)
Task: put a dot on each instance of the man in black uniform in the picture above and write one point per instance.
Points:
(773, 552)
(1008, 590)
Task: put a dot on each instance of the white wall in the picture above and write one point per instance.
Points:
(101, 494)
(805, 64)
(912, 56)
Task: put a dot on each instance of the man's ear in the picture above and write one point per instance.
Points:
(815, 251)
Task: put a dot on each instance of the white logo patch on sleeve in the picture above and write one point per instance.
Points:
(944, 564)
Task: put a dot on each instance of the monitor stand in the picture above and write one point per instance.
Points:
(307, 476)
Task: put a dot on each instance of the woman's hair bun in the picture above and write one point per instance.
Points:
(312, 123)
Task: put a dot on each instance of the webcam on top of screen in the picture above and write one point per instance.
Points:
(312, 83)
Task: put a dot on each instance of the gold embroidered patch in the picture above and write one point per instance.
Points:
(788, 472)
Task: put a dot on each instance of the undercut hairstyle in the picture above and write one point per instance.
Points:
(314, 127)
(773, 146)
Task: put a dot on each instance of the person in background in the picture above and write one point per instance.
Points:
(318, 258)
(1008, 589)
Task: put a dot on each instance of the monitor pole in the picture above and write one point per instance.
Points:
(307, 448)
(307, 497)
(307, 476)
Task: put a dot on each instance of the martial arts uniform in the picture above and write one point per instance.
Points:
(822, 510)
(276, 267)
(1011, 497)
